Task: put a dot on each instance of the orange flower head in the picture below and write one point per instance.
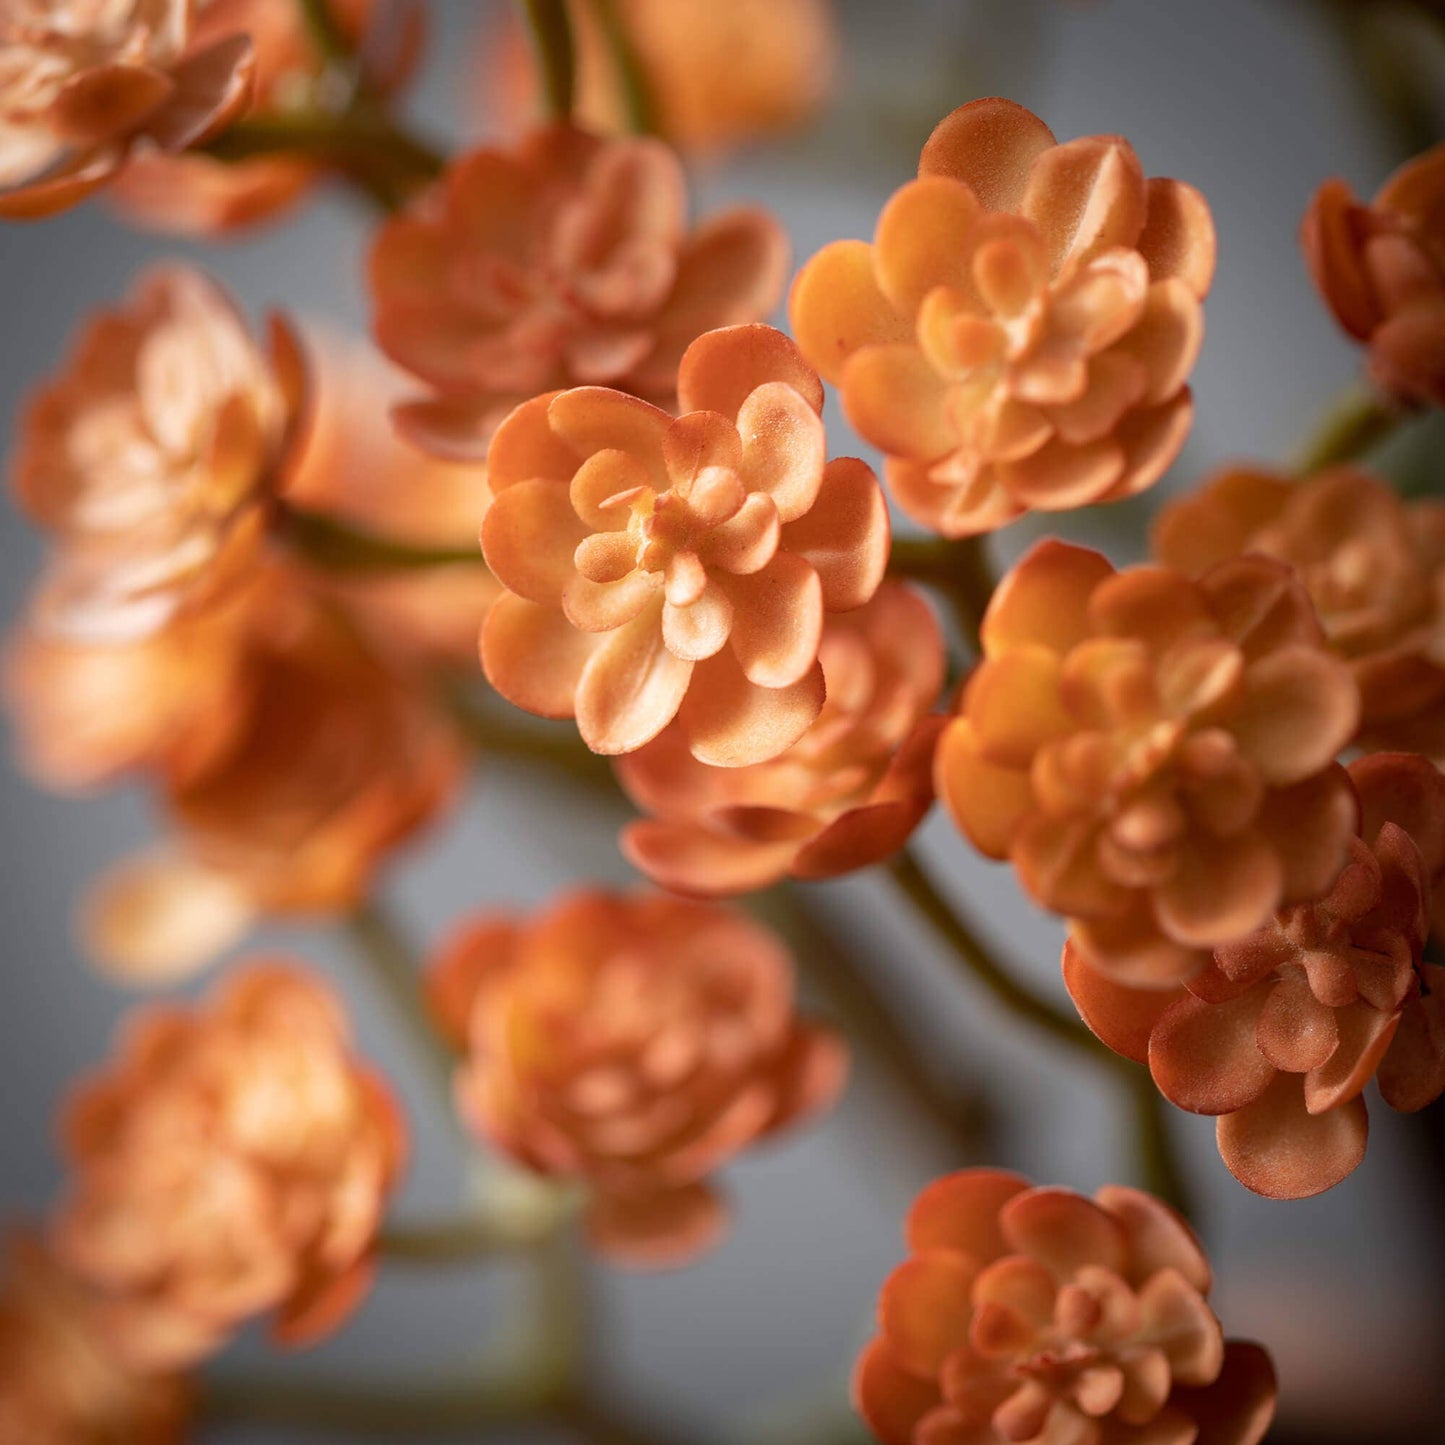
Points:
(717, 76)
(234, 1159)
(154, 457)
(1039, 1315)
(197, 194)
(634, 1044)
(1381, 270)
(1374, 566)
(1154, 754)
(60, 1383)
(662, 567)
(846, 795)
(564, 261)
(1019, 333)
(1279, 1035)
(82, 81)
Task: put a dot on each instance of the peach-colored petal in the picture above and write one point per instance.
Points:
(1178, 238)
(987, 802)
(1159, 1238)
(896, 399)
(858, 838)
(594, 419)
(1204, 1057)
(1086, 196)
(1278, 1149)
(845, 538)
(916, 246)
(1063, 1231)
(631, 686)
(692, 860)
(1177, 1320)
(925, 1309)
(960, 1212)
(1364, 1035)
(1223, 889)
(722, 368)
(1045, 598)
(657, 1231)
(1167, 340)
(783, 447)
(533, 656)
(1301, 708)
(529, 536)
(525, 447)
(778, 620)
(891, 1400)
(1238, 1408)
(989, 145)
(837, 307)
(1123, 1017)
(731, 722)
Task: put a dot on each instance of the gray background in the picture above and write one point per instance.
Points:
(1255, 101)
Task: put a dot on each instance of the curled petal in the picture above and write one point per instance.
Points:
(989, 145)
(1086, 196)
(1277, 1148)
(859, 838)
(837, 308)
(1365, 1034)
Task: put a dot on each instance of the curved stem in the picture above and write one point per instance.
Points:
(337, 546)
(460, 1241)
(551, 28)
(1357, 423)
(636, 88)
(959, 570)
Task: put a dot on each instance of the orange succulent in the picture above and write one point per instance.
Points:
(1381, 270)
(1155, 754)
(83, 82)
(662, 567)
(1374, 566)
(1019, 333)
(1038, 1315)
(59, 1381)
(1280, 1034)
(846, 795)
(235, 1159)
(563, 261)
(632, 1043)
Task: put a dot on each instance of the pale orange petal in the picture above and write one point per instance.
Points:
(1278, 1149)
(533, 656)
(631, 686)
(989, 145)
(837, 308)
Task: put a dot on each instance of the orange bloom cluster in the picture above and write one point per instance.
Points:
(1381, 270)
(82, 82)
(846, 795)
(1038, 1315)
(1019, 333)
(234, 1160)
(1155, 754)
(564, 261)
(60, 1383)
(662, 567)
(1374, 566)
(634, 1044)
(1280, 1034)
(717, 76)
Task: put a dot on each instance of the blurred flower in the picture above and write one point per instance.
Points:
(1381, 270)
(198, 194)
(563, 261)
(84, 81)
(333, 762)
(1281, 1033)
(633, 1043)
(1019, 333)
(1374, 567)
(846, 795)
(1154, 754)
(660, 567)
(1038, 1315)
(60, 1383)
(154, 457)
(717, 76)
(234, 1159)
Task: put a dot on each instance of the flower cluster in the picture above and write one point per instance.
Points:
(634, 1043)
(1038, 1315)
(1019, 334)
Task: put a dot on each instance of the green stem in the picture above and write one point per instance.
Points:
(1353, 426)
(637, 93)
(460, 1241)
(326, 35)
(959, 570)
(1158, 1157)
(337, 546)
(551, 28)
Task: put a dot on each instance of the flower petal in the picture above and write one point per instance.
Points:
(925, 1309)
(987, 802)
(1238, 1408)
(700, 629)
(1275, 1147)
(1204, 1056)
(595, 418)
(1222, 889)
(631, 687)
(1121, 1016)
(1166, 341)
(689, 858)
(837, 308)
(1178, 238)
(1365, 1034)
(1296, 1032)
(722, 368)
(656, 1231)
(1301, 708)
(1064, 1231)
(989, 145)
(895, 399)
(960, 1212)
(920, 242)
(1159, 1238)
(1045, 598)
(846, 536)
(784, 447)
(533, 656)
(891, 1401)
(1085, 197)
(530, 535)
(777, 620)
(731, 722)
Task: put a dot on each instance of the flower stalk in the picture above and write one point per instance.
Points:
(959, 571)
(1356, 424)
(551, 28)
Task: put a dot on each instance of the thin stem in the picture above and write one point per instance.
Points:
(1357, 423)
(337, 546)
(1158, 1156)
(959, 570)
(551, 28)
(326, 35)
(461, 1241)
(637, 93)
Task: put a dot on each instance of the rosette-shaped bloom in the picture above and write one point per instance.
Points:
(1038, 1315)
(334, 760)
(565, 261)
(1381, 270)
(846, 795)
(634, 1044)
(663, 567)
(716, 76)
(84, 81)
(154, 457)
(1374, 566)
(1281, 1033)
(234, 1159)
(60, 1382)
(197, 194)
(1019, 333)
(1154, 754)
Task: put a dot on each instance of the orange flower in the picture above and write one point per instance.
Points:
(717, 76)
(1154, 754)
(564, 261)
(1019, 334)
(846, 795)
(1037, 1315)
(1381, 270)
(634, 1044)
(334, 761)
(197, 194)
(662, 567)
(154, 457)
(82, 81)
(59, 1382)
(1280, 1034)
(235, 1159)
(1374, 567)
